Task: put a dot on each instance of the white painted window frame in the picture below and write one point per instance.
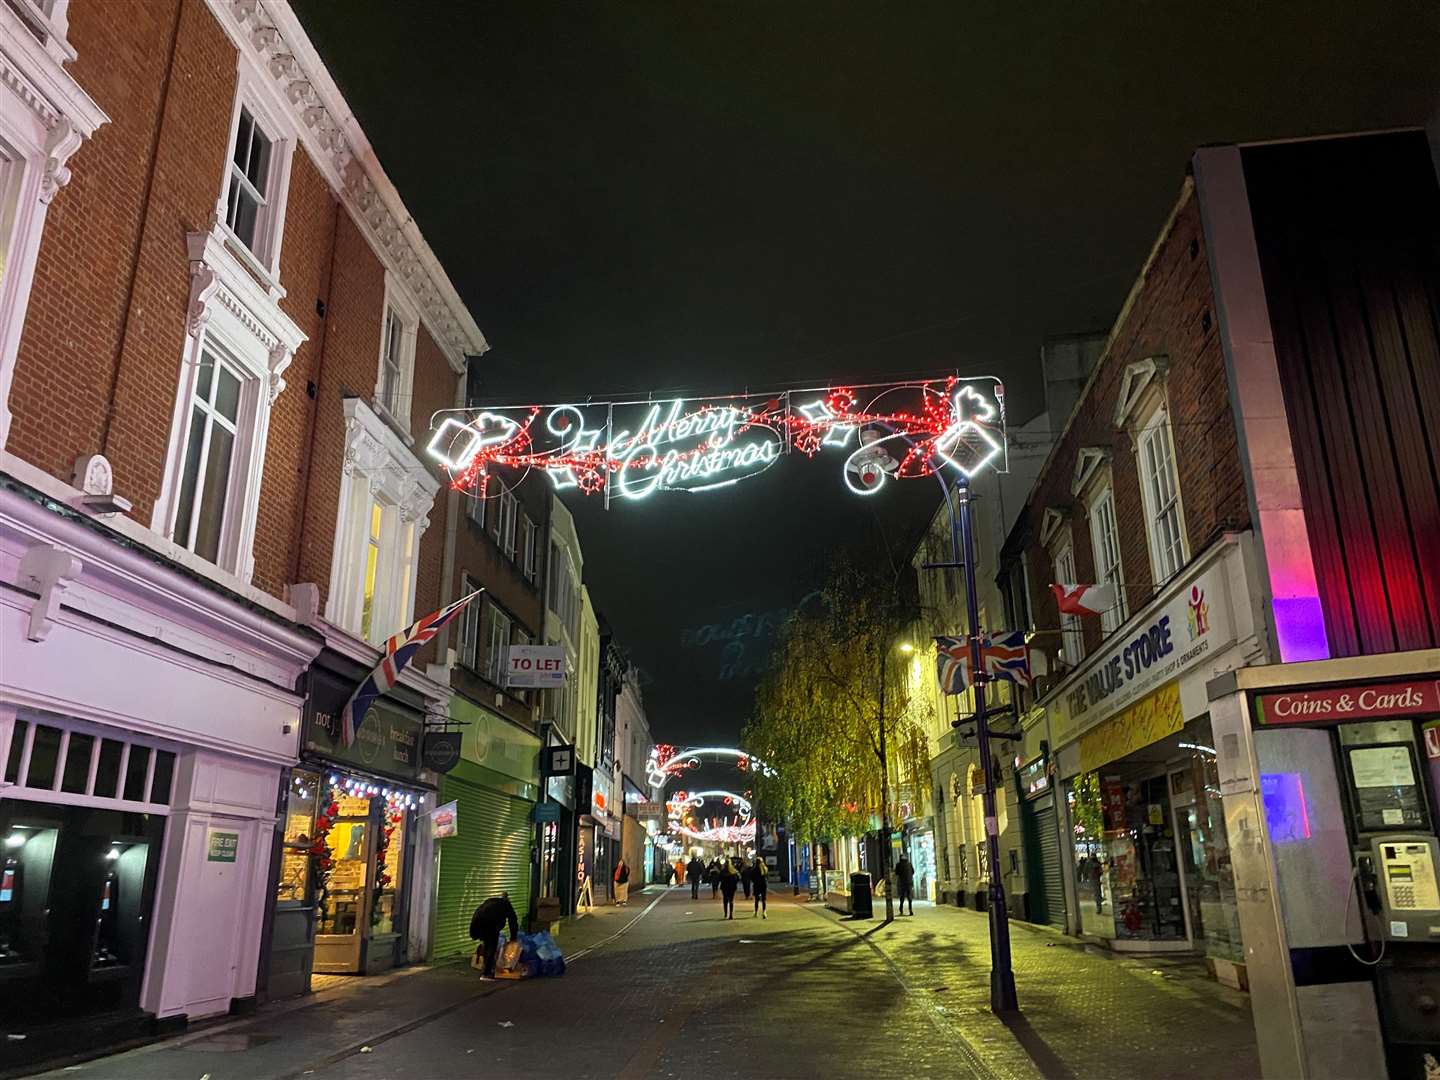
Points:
(1072, 631)
(402, 309)
(470, 618)
(379, 466)
(529, 536)
(1105, 543)
(509, 523)
(256, 92)
(22, 791)
(1166, 559)
(232, 313)
(44, 118)
(243, 431)
(496, 627)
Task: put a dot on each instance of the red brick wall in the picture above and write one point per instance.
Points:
(349, 367)
(478, 556)
(1172, 315)
(90, 379)
(433, 388)
(101, 236)
(310, 226)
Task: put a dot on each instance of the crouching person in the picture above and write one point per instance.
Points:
(485, 927)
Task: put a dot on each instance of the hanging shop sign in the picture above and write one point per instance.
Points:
(442, 750)
(632, 449)
(602, 800)
(445, 821)
(535, 666)
(547, 811)
(558, 760)
(1034, 777)
(1339, 703)
(1186, 630)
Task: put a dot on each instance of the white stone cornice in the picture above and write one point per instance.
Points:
(272, 35)
(35, 76)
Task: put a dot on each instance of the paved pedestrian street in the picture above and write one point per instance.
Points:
(666, 988)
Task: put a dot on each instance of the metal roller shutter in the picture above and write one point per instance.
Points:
(490, 854)
(1052, 874)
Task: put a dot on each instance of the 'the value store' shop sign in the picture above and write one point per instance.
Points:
(1191, 625)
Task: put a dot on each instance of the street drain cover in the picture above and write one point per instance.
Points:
(230, 1044)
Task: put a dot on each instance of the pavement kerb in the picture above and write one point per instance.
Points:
(934, 1013)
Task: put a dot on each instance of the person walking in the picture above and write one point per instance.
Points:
(905, 883)
(694, 870)
(759, 880)
(729, 879)
(714, 877)
(746, 870)
(622, 883)
(485, 928)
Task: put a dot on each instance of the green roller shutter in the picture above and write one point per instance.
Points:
(490, 854)
(1052, 873)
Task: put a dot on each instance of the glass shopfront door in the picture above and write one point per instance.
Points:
(358, 910)
(1152, 858)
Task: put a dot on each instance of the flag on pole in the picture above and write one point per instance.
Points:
(1084, 599)
(398, 651)
(1006, 656)
(952, 664)
(1002, 656)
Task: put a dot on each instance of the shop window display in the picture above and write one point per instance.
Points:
(295, 884)
(76, 887)
(1152, 859)
(391, 845)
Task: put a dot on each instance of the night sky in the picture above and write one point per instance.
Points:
(700, 197)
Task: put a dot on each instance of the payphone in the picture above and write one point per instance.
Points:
(1396, 855)
(1398, 883)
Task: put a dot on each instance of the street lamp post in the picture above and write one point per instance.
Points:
(1002, 976)
(884, 651)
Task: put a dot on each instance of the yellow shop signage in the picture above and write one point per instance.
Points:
(1147, 721)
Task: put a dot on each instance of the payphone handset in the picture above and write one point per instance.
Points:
(1400, 886)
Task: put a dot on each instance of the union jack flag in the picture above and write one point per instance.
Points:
(952, 664)
(398, 650)
(1004, 656)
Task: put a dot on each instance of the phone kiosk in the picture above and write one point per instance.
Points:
(1351, 801)
(1392, 811)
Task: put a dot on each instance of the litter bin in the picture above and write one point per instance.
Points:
(861, 905)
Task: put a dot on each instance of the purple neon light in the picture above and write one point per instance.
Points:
(1300, 629)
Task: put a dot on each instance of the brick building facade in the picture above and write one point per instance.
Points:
(221, 340)
(1144, 491)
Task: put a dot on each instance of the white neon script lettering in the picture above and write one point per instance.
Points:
(691, 451)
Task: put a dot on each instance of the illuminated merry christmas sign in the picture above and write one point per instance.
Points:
(632, 449)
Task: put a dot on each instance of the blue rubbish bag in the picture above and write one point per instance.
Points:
(551, 959)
